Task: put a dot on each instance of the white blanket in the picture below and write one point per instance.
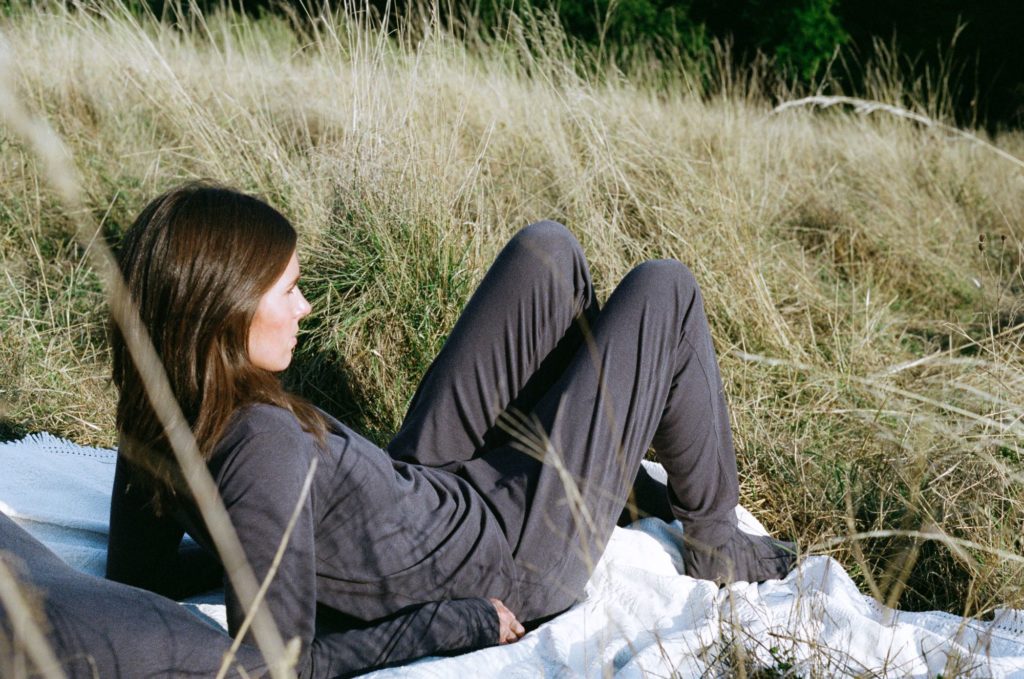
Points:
(641, 617)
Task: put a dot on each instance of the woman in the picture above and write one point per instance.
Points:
(497, 495)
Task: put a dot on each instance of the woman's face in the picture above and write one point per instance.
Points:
(276, 323)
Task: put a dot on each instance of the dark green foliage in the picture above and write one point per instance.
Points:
(807, 35)
(611, 23)
(802, 35)
(976, 44)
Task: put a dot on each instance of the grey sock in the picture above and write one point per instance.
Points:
(744, 557)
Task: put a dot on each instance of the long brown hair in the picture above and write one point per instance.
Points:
(196, 262)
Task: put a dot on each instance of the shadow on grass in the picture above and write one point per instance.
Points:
(11, 430)
(326, 381)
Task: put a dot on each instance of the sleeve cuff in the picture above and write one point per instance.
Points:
(484, 616)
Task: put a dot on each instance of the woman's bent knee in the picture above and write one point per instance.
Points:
(658, 277)
(548, 238)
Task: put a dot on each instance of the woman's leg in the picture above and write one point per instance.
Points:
(511, 342)
(519, 331)
(646, 375)
(101, 628)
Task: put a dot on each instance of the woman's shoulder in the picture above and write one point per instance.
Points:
(257, 418)
(262, 459)
(261, 427)
(266, 417)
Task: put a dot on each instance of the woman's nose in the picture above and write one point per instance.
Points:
(304, 306)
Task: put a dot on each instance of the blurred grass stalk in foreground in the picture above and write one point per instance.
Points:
(875, 263)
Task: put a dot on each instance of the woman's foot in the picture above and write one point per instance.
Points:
(744, 558)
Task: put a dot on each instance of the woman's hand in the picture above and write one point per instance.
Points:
(509, 629)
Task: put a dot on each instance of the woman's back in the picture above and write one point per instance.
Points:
(382, 534)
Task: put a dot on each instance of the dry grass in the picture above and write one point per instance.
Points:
(863, 274)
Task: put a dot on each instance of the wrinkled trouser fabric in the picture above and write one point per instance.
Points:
(547, 402)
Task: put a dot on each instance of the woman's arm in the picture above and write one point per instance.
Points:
(344, 647)
(261, 485)
(144, 550)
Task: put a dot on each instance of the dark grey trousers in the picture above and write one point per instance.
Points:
(547, 403)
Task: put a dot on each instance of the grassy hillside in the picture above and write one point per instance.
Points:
(863, 273)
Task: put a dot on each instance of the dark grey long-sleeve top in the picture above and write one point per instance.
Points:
(388, 561)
